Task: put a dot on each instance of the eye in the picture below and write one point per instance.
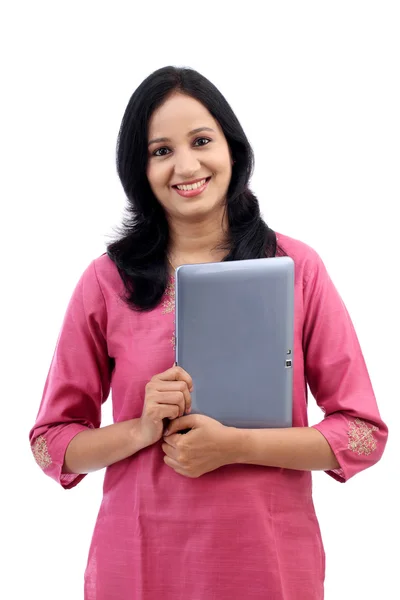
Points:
(204, 141)
(161, 151)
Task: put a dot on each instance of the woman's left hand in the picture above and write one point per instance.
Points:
(206, 447)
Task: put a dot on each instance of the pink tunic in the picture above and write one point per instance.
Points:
(240, 531)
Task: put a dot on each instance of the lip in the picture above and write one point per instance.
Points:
(190, 182)
(192, 193)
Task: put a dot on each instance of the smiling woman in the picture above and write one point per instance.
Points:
(177, 131)
(219, 512)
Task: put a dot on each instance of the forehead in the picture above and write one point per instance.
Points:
(180, 114)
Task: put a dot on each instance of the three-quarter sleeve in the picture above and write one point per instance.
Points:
(337, 376)
(78, 381)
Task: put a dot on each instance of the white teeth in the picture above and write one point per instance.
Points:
(193, 186)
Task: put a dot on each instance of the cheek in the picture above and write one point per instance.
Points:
(150, 174)
(223, 165)
(154, 175)
(224, 172)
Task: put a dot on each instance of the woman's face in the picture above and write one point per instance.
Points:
(189, 162)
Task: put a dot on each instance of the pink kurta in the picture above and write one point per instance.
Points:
(241, 531)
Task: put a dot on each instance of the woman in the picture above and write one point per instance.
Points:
(218, 513)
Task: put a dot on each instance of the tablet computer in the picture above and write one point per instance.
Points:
(234, 335)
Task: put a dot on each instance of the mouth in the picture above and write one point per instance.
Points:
(194, 188)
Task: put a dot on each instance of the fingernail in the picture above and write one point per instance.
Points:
(166, 432)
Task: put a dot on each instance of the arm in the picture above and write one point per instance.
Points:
(338, 378)
(352, 435)
(77, 384)
(167, 395)
(300, 448)
(66, 439)
(94, 449)
(210, 445)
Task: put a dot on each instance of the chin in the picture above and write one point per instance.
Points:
(201, 210)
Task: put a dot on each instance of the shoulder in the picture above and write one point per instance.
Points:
(101, 278)
(308, 262)
(105, 270)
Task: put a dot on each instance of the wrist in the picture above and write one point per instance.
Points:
(236, 442)
(137, 438)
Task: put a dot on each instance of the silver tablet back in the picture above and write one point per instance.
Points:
(234, 336)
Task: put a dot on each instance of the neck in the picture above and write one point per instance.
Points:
(198, 242)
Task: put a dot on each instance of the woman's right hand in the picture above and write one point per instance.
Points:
(167, 397)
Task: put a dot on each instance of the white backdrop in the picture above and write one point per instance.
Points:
(316, 88)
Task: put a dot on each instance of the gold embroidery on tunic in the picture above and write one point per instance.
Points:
(168, 305)
(41, 453)
(173, 341)
(361, 439)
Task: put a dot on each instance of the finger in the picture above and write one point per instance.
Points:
(187, 422)
(174, 465)
(168, 411)
(170, 451)
(169, 398)
(172, 386)
(176, 374)
(172, 439)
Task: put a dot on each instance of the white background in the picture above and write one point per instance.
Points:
(316, 88)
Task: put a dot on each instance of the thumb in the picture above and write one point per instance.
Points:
(187, 422)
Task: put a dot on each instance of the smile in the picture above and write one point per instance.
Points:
(192, 189)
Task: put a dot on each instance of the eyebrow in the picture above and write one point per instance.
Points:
(164, 139)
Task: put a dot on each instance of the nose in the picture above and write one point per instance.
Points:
(186, 164)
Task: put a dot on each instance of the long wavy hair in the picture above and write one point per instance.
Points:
(140, 250)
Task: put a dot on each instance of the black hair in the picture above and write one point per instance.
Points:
(140, 252)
